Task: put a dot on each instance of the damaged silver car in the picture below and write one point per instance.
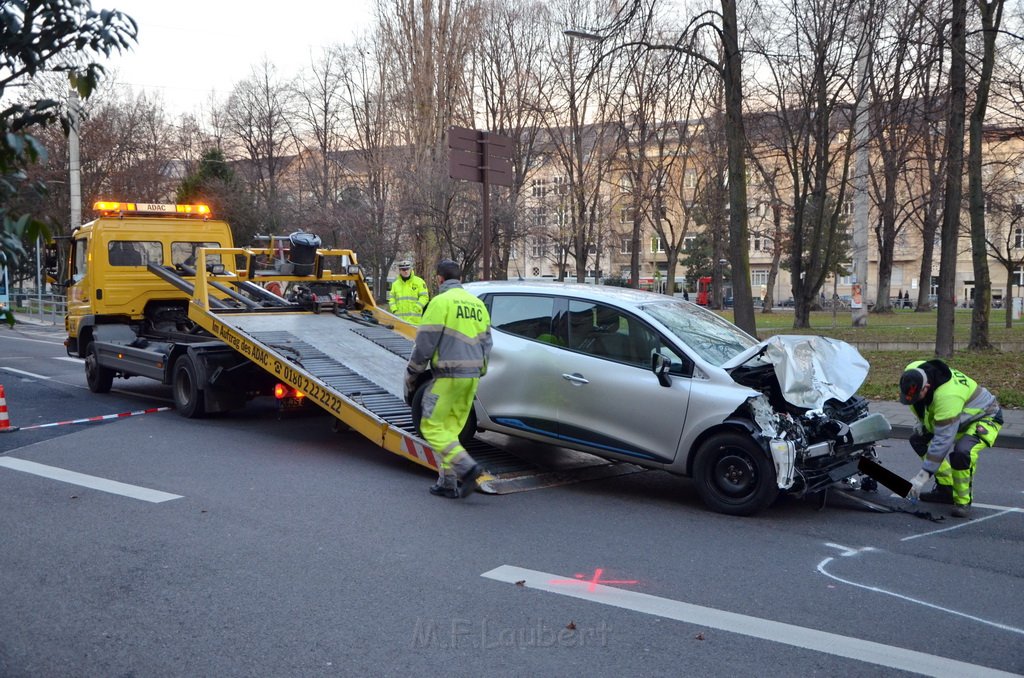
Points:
(663, 383)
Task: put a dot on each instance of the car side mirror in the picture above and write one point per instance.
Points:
(660, 365)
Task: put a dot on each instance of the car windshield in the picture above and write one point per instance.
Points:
(710, 336)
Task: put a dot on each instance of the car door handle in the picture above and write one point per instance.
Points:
(575, 378)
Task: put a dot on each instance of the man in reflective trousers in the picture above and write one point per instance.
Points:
(454, 341)
(958, 418)
(408, 295)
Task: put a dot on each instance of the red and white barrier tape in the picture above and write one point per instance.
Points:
(89, 420)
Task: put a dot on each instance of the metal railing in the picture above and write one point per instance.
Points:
(43, 308)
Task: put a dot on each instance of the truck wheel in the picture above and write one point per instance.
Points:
(468, 431)
(99, 378)
(734, 475)
(188, 397)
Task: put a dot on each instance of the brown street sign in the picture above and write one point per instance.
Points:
(479, 156)
(464, 165)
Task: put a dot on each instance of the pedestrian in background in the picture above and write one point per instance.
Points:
(454, 342)
(957, 419)
(408, 295)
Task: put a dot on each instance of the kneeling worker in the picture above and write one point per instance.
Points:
(454, 341)
(957, 419)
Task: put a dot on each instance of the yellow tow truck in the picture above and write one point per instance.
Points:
(160, 291)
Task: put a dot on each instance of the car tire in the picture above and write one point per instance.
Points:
(734, 475)
(468, 431)
(99, 378)
(189, 399)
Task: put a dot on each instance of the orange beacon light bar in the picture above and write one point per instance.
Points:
(109, 207)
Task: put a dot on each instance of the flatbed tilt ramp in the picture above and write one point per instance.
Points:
(351, 362)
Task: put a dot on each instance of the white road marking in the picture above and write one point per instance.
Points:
(23, 373)
(35, 341)
(69, 359)
(778, 632)
(1002, 510)
(875, 589)
(847, 551)
(92, 482)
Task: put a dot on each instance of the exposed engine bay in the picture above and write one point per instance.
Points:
(809, 417)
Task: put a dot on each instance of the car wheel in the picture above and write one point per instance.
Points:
(734, 475)
(468, 431)
(99, 378)
(188, 397)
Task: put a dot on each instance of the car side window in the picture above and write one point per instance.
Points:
(527, 316)
(605, 332)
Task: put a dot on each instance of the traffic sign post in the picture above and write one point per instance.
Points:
(485, 158)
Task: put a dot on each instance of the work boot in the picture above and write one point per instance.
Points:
(439, 490)
(467, 483)
(961, 511)
(940, 494)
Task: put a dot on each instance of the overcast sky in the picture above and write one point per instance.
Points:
(189, 48)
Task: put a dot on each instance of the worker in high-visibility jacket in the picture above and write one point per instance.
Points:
(408, 296)
(454, 342)
(957, 419)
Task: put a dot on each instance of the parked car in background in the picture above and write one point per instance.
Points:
(663, 383)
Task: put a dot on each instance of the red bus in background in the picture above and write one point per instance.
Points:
(704, 291)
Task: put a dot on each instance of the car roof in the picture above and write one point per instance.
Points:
(622, 296)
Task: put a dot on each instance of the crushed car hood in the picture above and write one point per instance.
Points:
(810, 369)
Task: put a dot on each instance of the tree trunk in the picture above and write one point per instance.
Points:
(736, 141)
(954, 181)
(991, 13)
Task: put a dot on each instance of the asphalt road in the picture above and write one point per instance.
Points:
(283, 548)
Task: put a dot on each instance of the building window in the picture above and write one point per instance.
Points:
(561, 185)
(657, 245)
(538, 248)
(626, 215)
(759, 276)
(626, 184)
(540, 187)
(540, 216)
(1018, 238)
(625, 245)
(690, 179)
(688, 242)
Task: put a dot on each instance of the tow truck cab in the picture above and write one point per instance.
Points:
(110, 284)
(124, 321)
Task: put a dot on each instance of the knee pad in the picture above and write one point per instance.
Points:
(960, 457)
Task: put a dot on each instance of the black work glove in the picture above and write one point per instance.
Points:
(410, 386)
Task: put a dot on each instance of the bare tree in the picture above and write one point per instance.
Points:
(260, 119)
(899, 116)
(512, 69)
(809, 52)
(581, 143)
(954, 179)
(370, 220)
(431, 43)
(991, 16)
(319, 112)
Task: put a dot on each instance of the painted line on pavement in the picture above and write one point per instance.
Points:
(92, 482)
(766, 629)
(24, 373)
(70, 359)
(876, 589)
(35, 341)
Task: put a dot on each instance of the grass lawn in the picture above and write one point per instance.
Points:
(1001, 373)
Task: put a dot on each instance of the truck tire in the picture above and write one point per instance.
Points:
(734, 475)
(189, 399)
(99, 378)
(468, 431)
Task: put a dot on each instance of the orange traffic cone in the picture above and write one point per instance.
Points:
(5, 420)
